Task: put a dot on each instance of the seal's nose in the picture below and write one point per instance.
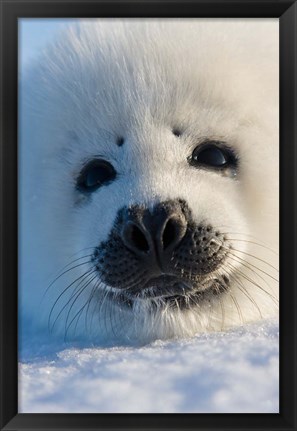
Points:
(154, 234)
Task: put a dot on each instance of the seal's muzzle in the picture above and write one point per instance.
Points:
(160, 252)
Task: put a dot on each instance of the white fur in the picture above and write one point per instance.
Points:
(139, 79)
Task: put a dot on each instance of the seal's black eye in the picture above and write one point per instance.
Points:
(94, 175)
(213, 155)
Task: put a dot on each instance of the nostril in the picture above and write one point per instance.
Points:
(134, 238)
(169, 233)
(173, 232)
(138, 239)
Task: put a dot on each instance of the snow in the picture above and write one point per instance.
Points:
(232, 372)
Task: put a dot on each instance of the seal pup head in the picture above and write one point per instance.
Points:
(152, 178)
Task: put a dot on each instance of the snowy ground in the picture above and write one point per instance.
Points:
(233, 372)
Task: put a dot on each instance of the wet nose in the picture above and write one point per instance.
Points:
(156, 233)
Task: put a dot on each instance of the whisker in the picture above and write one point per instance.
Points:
(78, 314)
(101, 305)
(81, 290)
(241, 287)
(238, 308)
(249, 265)
(253, 282)
(252, 242)
(96, 285)
(65, 290)
(246, 234)
(65, 272)
(253, 256)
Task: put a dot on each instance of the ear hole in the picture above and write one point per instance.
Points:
(120, 141)
(176, 132)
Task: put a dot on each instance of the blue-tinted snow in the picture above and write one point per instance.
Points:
(237, 371)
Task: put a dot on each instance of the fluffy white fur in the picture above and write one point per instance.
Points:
(101, 79)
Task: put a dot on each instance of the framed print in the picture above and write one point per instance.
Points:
(148, 215)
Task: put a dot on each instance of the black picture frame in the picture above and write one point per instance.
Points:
(11, 11)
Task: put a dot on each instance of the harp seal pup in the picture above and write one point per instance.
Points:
(149, 179)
